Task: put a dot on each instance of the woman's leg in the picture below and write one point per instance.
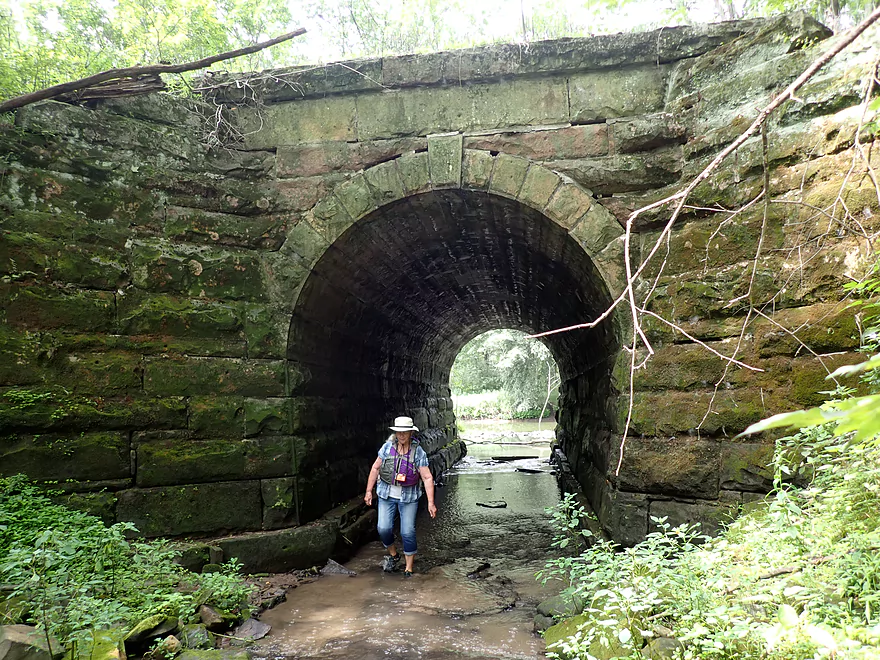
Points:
(385, 526)
(408, 512)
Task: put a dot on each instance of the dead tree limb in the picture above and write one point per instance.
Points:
(132, 71)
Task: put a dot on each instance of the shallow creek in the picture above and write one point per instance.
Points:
(455, 606)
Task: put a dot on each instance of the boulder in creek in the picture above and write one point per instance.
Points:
(494, 504)
(196, 636)
(105, 645)
(561, 606)
(20, 642)
(252, 630)
(662, 648)
(269, 598)
(213, 619)
(335, 568)
(600, 648)
(150, 628)
(542, 623)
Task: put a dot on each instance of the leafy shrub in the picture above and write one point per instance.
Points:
(78, 574)
(483, 405)
(797, 578)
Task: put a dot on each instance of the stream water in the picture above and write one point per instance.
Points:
(474, 592)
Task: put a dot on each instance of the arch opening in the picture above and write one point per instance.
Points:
(504, 374)
(390, 304)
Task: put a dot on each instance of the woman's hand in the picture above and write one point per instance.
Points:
(432, 510)
(368, 499)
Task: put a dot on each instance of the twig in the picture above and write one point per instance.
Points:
(249, 640)
(776, 572)
(677, 328)
(127, 72)
(798, 340)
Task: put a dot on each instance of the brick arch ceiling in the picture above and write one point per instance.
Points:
(407, 286)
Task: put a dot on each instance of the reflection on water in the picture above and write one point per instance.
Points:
(506, 438)
(504, 426)
(490, 512)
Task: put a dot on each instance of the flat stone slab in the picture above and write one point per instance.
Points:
(252, 629)
(335, 568)
(19, 642)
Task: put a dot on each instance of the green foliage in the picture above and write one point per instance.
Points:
(832, 11)
(78, 574)
(797, 578)
(505, 362)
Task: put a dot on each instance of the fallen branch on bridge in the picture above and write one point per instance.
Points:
(137, 72)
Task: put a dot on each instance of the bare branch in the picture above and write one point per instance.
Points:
(701, 343)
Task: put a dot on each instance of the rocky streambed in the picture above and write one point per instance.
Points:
(474, 594)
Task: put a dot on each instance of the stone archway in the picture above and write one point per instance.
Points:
(447, 165)
(409, 260)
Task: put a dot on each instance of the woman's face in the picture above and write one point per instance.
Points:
(403, 436)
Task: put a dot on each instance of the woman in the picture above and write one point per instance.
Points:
(400, 469)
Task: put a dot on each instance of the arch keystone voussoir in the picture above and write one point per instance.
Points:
(413, 170)
(444, 160)
(329, 217)
(539, 186)
(508, 175)
(476, 169)
(356, 196)
(568, 204)
(385, 181)
(596, 229)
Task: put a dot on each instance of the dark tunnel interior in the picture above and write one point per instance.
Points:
(389, 305)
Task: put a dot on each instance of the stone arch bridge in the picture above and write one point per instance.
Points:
(212, 341)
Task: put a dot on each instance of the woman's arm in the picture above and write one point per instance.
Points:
(428, 480)
(371, 481)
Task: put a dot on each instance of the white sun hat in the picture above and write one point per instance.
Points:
(403, 424)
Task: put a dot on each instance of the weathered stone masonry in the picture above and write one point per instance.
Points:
(213, 342)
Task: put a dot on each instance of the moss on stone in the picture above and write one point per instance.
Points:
(141, 313)
(266, 330)
(209, 228)
(201, 272)
(48, 409)
(181, 461)
(279, 503)
(597, 649)
(32, 256)
(112, 374)
(45, 308)
(61, 457)
(216, 416)
(224, 376)
(203, 508)
(266, 416)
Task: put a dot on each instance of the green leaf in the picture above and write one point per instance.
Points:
(821, 637)
(849, 369)
(797, 419)
(787, 616)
